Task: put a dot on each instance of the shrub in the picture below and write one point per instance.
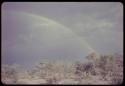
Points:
(82, 68)
(9, 74)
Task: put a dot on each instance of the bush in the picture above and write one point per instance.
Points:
(9, 74)
(82, 68)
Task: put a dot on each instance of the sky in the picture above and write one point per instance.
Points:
(32, 31)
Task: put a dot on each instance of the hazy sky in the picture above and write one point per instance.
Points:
(31, 31)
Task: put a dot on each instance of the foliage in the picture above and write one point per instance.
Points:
(108, 67)
(9, 72)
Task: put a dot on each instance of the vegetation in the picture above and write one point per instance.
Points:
(108, 69)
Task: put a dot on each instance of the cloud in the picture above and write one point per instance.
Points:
(49, 39)
(100, 24)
